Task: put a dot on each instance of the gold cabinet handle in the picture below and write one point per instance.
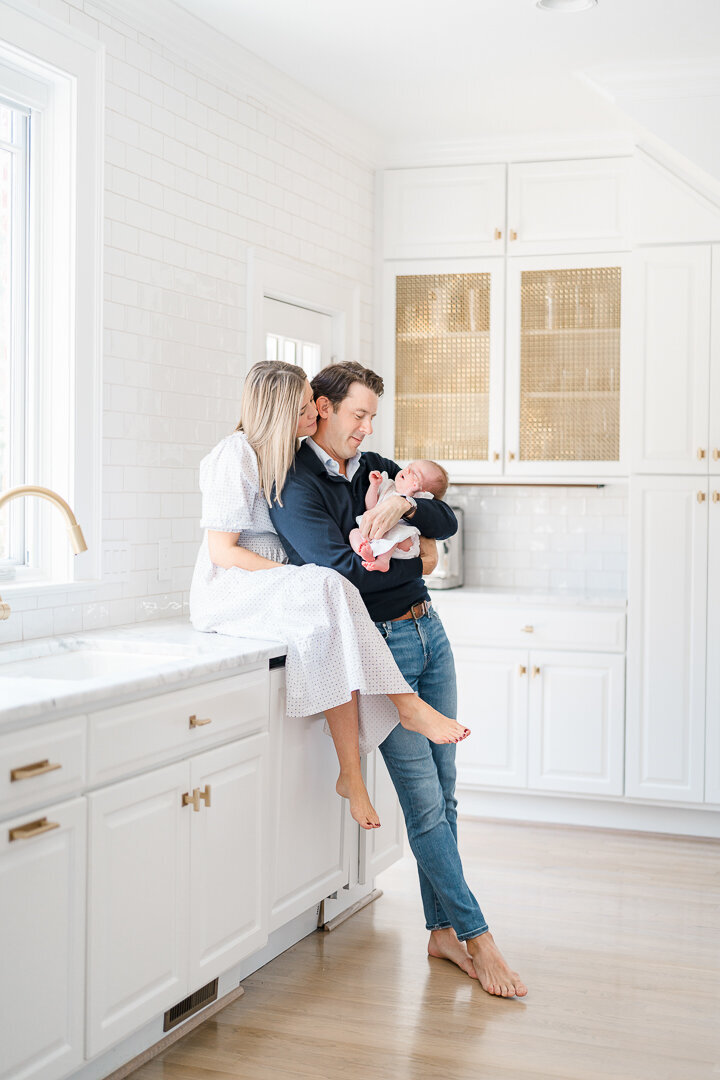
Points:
(498, 234)
(205, 795)
(701, 496)
(701, 454)
(522, 670)
(496, 456)
(26, 772)
(716, 454)
(535, 671)
(511, 455)
(195, 722)
(194, 799)
(513, 234)
(32, 828)
(716, 496)
(528, 629)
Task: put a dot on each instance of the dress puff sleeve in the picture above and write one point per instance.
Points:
(229, 485)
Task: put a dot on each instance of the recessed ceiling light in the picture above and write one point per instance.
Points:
(566, 5)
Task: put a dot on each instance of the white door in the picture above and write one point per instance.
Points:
(712, 720)
(714, 437)
(380, 848)
(308, 831)
(667, 637)
(297, 335)
(228, 852)
(492, 702)
(137, 902)
(42, 942)
(575, 722)
(671, 361)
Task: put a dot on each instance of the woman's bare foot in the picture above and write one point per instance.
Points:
(417, 715)
(445, 945)
(492, 971)
(354, 790)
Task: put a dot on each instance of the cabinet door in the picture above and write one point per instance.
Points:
(671, 361)
(444, 211)
(563, 206)
(228, 849)
(444, 328)
(576, 722)
(380, 848)
(565, 347)
(307, 835)
(42, 943)
(137, 902)
(667, 637)
(712, 720)
(492, 702)
(714, 438)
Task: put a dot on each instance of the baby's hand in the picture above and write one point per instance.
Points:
(375, 478)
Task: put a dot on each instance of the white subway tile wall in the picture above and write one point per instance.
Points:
(561, 539)
(194, 174)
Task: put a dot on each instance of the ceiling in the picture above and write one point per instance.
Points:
(472, 70)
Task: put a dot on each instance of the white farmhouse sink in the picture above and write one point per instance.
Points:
(76, 660)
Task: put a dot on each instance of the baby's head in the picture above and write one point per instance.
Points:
(422, 476)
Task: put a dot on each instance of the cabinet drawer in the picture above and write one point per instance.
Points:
(469, 623)
(42, 763)
(132, 737)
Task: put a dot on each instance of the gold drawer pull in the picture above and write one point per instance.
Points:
(522, 670)
(716, 454)
(701, 496)
(513, 234)
(205, 795)
(535, 671)
(32, 828)
(528, 629)
(194, 799)
(701, 454)
(716, 496)
(25, 772)
(498, 234)
(511, 455)
(496, 456)
(194, 722)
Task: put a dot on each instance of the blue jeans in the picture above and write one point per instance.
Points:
(424, 777)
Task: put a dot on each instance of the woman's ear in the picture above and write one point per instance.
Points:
(323, 406)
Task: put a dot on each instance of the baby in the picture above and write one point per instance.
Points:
(422, 480)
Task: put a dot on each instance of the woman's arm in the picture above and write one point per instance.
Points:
(224, 552)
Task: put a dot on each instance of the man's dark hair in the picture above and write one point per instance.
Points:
(335, 380)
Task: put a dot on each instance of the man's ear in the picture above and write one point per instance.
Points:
(323, 406)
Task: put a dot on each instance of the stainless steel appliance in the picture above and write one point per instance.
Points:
(448, 574)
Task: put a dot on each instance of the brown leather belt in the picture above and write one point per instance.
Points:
(416, 611)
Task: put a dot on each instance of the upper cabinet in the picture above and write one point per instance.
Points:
(444, 212)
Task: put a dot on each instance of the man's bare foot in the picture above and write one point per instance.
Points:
(445, 945)
(354, 790)
(492, 971)
(417, 715)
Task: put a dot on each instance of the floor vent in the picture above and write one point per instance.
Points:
(190, 1005)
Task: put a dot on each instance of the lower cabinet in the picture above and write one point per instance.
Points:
(380, 848)
(42, 941)
(176, 887)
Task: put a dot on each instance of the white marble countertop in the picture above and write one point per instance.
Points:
(531, 597)
(192, 655)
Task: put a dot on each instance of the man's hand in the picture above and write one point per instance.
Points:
(428, 554)
(376, 522)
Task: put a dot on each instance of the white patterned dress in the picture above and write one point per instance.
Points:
(333, 646)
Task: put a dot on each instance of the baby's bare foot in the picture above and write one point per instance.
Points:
(417, 715)
(375, 564)
(365, 551)
(353, 789)
(493, 973)
(445, 946)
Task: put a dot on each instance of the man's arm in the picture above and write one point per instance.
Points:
(310, 534)
(434, 518)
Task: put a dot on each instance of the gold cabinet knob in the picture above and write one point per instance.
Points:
(513, 234)
(511, 455)
(716, 454)
(528, 629)
(32, 828)
(700, 454)
(522, 670)
(701, 496)
(716, 496)
(535, 671)
(38, 768)
(205, 795)
(196, 722)
(496, 456)
(498, 234)
(187, 799)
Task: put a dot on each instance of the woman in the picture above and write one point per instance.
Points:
(243, 586)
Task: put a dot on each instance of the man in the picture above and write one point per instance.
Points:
(322, 497)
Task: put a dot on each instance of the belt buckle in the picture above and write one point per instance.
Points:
(423, 605)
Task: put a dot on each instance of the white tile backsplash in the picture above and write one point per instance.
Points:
(559, 538)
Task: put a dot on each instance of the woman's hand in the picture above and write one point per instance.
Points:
(376, 522)
(428, 554)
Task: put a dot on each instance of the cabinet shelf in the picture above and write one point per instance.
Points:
(545, 331)
(428, 335)
(558, 394)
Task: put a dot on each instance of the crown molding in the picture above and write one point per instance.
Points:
(221, 58)
(672, 79)
(513, 148)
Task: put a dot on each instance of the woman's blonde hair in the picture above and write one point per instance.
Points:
(269, 411)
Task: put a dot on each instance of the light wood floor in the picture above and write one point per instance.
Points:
(617, 936)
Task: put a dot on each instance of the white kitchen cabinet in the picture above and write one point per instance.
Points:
(667, 636)
(493, 703)
(433, 212)
(309, 823)
(568, 206)
(674, 429)
(42, 942)
(575, 722)
(380, 848)
(712, 699)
